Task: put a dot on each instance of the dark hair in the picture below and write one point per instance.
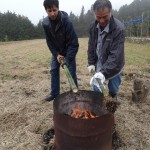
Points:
(50, 3)
(100, 4)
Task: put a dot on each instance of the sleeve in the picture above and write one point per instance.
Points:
(91, 51)
(50, 44)
(115, 60)
(72, 44)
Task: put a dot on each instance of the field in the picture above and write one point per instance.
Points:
(24, 82)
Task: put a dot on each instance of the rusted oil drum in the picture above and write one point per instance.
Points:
(82, 134)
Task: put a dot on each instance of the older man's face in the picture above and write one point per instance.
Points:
(103, 16)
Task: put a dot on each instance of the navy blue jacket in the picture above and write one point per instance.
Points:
(64, 40)
(112, 58)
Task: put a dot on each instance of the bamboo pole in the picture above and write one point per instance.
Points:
(69, 77)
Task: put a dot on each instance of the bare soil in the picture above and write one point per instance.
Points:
(24, 82)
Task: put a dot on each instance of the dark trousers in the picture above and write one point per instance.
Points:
(113, 85)
(55, 74)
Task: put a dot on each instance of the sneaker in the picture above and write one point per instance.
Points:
(112, 95)
(49, 98)
(114, 98)
(112, 104)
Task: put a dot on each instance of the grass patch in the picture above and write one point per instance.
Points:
(28, 55)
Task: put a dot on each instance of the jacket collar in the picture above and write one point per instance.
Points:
(112, 24)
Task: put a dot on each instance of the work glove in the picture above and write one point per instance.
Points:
(94, 81)
(91, 68)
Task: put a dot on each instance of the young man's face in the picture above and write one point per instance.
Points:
(52, 12)
(103, 16)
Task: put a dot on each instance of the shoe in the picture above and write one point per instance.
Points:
(112, 104)
(49, 98)
(113, 95)
(114, 98)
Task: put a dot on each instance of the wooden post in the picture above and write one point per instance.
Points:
(140, 91)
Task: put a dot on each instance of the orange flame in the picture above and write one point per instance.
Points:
(84, 114)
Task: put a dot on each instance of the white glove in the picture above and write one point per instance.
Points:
(91, 68)
(94, 81)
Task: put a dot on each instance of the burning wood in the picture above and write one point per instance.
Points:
(83, 114)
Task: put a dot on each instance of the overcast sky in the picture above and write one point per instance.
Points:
(34, 10)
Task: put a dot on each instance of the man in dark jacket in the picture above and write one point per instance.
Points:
(106, 47)
(62, 41)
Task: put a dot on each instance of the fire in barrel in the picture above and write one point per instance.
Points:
(84, 114)
(81, 122)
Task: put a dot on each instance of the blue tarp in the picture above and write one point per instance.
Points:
(134, 21)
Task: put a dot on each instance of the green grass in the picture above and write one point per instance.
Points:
(137, 54)
(23, 57)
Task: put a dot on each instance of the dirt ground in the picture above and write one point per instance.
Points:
(24, 82)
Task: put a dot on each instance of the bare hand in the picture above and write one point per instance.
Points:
(60, 58)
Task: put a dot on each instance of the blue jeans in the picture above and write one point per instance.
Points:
(113, 85)
(55, 74)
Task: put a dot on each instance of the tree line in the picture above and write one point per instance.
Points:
(15, 27)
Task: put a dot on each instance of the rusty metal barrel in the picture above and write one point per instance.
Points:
(82, 134)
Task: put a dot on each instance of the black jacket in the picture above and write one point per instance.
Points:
(112, 48)
(63, 40)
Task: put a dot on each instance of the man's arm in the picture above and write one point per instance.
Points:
(115, 61)
(50, 45)
(91, 48)
(71, 41)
